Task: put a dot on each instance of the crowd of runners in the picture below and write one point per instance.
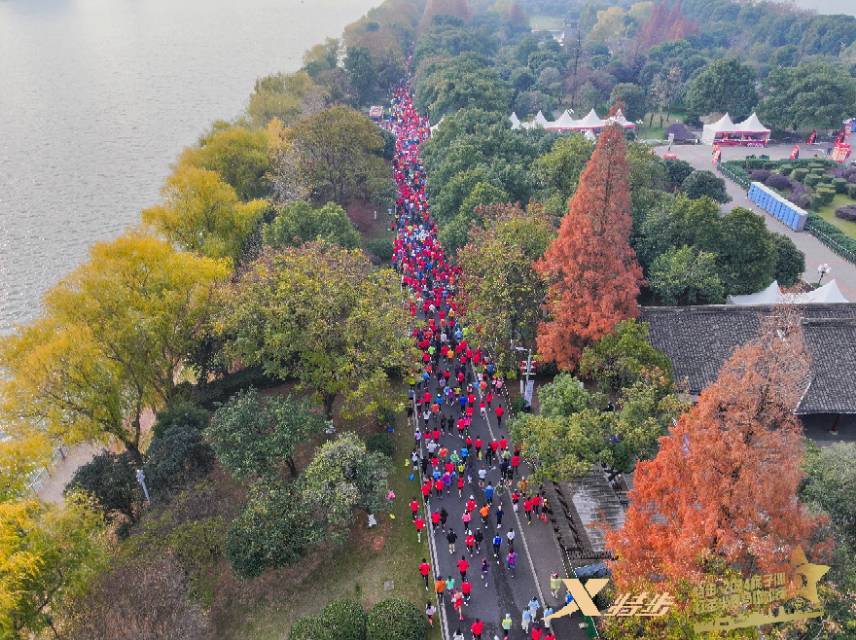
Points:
(455, 463)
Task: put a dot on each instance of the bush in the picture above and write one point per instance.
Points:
(799, 174)
(826, 194)
(307, 628)
(847, 212)
(184, 413)
(816, 202)
(786, 170)
(395, 619)
(790, 261)
(840, 185)
(343, 620)
(380, 248)
(778, 181)
(832, 237)
(111, 480)
(704, 183)
(760, 175)
(812, 180)
(851, 190)
(678, 171)
(177, 457)
(382, 443)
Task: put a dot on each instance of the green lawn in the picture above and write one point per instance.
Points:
(657, 131)
(388, 555)
(828, 214)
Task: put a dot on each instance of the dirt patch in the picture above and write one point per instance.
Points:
(371, 221)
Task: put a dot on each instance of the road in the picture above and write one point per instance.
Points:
(816, 253)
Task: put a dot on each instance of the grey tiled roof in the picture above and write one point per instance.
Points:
(699, 339)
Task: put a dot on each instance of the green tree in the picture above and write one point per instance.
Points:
(359, 64)
(238, 154)
(324, 316)
(724, 86)
(814, 94)
(343, 620)
(180, 413)
(175, 458)
(298, 222)
(790, 261)
(395, 619)
(558, 171)
(705, 183)
(747, 253)
(109, 478)
(332, 156)
(307, 628)
(49, 555)
(202, 213)
(678, 222)
(274, 530)
(686, 275)
(678, 170)
(344, 476)
(632, 97)
(285, 97)
(114, 335)
(623, 357)
(565, 395)
(501, 290)
(23, 451)
(252, 436)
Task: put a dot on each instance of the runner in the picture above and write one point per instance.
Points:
(424, 571)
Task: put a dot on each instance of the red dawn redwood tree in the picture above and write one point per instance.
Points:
(722, 490)
(591, 268)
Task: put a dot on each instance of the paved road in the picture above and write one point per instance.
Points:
(816, 252)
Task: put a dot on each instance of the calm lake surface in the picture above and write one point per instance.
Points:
(97, 98)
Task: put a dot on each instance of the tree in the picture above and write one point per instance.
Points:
(22, 453)
(722, 490)
(136, 599)
(202, 213)
(395, 619)
(723, 86)
(343, 620)
(307, 628)
(114, 335)
(623, 357)
(274, 530)
(344, 476)
(298, 222)
(334, 155)
(591, 269)
(747, 254)
(49, 555)
(814, 94)
(558, 171)
(500, 289)
(705, 183)
(632, 97)
(686, 275)
(252, 436)
(324, 316)
(110, 479)
(180, 413)
(679, 222)
(359, 64)
(175, 458)
(238, 154)
(285, 97)
(565, 395)
(790, 261)
(678, 170)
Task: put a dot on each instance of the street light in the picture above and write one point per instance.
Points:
(526, 373)
(822, 269)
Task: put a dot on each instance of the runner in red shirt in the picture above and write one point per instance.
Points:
(527, 507)
(419, 523)
(425, 571)
(435, 520)
(499, 411)
(470, 541)
(414, 509)
(477, 628)
(467, 590)
(463, 565)
(515, 462)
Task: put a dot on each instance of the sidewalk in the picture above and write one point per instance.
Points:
(816, 253)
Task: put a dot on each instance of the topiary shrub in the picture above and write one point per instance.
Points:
(812, 180)
(816, 202)
(851, 190)
(786, 170)
(343, 620)
(760, 175)
(799, 173)
(778, 181)
(176, 457)
(847, 212)
(826, 194)
(382, 443)
(840, 185)
(395, 619)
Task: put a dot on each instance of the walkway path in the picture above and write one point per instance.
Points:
(815, 252)
(431, 280)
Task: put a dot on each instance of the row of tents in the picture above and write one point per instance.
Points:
(591, 122)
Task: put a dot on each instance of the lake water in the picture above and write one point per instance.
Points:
(97, 98)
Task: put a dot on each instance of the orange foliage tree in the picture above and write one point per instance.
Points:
(591, 268)
(722, 490)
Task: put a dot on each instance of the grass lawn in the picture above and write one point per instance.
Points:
(828, 214)
(378, 563)
(546, 23)
(657, 131)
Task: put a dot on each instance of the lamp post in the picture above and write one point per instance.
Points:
(822, 270)
(141, 478)
(525, 380)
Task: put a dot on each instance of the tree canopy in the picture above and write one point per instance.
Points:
(298, 222)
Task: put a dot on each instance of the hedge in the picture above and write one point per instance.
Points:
(832, 237)
(395, 619)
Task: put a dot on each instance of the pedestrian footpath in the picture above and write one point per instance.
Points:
(492, 550)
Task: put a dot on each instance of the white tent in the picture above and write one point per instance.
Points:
(515, 121)
(619, 119)
(827, 294)
(590, 121)
(710, 130)
(540, 120)
(564, 122)
(434, 128)
(752, 125)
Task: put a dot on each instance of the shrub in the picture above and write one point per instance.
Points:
(343, 620)
(790, 261)
(847, 212)
(851, 190)
(307, 628)
(799, 174)
(380, 248)
(395, 619)
(382, 443)
(826, 194)
(778, 181)
(111, 480)
(832, 237)
(840, 185)
(812, 180)
(705, 183)
(182, 413)
(177, 457)
(760, 175)
(678, 171)
(816, 202)
(786, 170)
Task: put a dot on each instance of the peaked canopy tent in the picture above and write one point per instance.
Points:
(827, 294)
(591, 123)
(749, 133)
